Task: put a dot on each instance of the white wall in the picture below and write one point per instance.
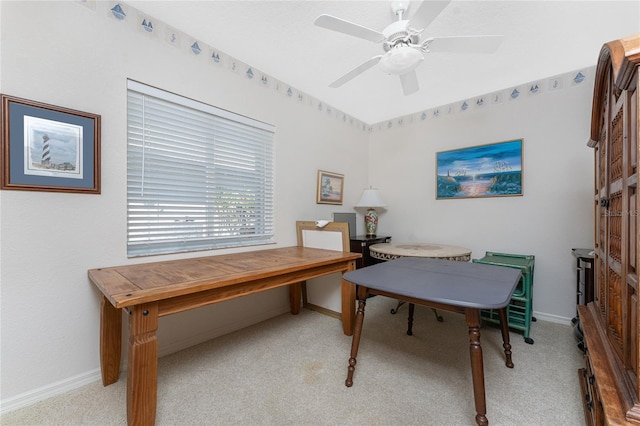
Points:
(554, 214)
(65, 54)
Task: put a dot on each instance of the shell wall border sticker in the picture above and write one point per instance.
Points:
(197, 49)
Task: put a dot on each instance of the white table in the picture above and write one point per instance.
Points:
(390, 251)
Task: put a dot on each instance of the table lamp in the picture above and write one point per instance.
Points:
(371, 199)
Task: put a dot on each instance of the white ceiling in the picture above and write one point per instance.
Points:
(541, 39)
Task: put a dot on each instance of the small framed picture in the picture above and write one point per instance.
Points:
(48, 148)
(330, 186)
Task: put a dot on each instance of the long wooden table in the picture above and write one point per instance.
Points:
(459, 287)
(152, 290)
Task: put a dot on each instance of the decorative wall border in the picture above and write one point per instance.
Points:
(148, 26)
(470, 105)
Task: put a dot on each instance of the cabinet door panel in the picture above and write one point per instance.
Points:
(613, 329)
(614, 311)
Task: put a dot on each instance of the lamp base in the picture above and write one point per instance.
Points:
(371, 223)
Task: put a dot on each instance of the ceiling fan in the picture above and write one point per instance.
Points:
(403, 43)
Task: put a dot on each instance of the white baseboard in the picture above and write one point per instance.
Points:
(552, 318)
(40, 394)
(57, 388)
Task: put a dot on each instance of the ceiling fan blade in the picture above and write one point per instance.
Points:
(346, 27)
(409, 82)
(426, 13)
(356, 71)
(465, 44)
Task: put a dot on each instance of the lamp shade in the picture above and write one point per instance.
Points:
(371, 198)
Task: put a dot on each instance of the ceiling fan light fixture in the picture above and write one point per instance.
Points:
(401, 59)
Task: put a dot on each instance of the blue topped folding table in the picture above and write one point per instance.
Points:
(459, 287)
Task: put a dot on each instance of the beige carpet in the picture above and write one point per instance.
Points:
(290, 370)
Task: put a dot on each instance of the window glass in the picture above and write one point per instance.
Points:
(198, 177)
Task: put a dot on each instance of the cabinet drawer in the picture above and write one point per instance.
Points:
(593, 410)
(587, 399)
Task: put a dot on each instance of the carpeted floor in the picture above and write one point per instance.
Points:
(290, 370)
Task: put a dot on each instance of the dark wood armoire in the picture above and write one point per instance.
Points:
(610, 380)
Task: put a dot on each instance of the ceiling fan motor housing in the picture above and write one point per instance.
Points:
(397, 33)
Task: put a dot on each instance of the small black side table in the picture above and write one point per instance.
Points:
(361, 244)
(584, 287)
(584, 276)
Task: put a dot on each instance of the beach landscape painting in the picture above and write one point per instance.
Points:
(330, 188)
(492, 170)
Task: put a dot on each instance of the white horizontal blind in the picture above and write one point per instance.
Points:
(197, 177)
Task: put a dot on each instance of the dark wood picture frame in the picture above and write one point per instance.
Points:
(48, 148)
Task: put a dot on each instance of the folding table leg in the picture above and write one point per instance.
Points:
(356, 339)
(472, 317)
(504, 328)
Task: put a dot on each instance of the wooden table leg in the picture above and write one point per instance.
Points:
(142, 368)
(295, 298)
(504, 328)
(348, 294)
(355, 343)
(110, 342)
(472, 317)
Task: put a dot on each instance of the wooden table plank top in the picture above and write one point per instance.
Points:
(128, 285)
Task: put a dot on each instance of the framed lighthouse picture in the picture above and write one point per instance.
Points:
(48, 148)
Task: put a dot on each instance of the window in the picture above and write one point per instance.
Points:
(198, 177)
